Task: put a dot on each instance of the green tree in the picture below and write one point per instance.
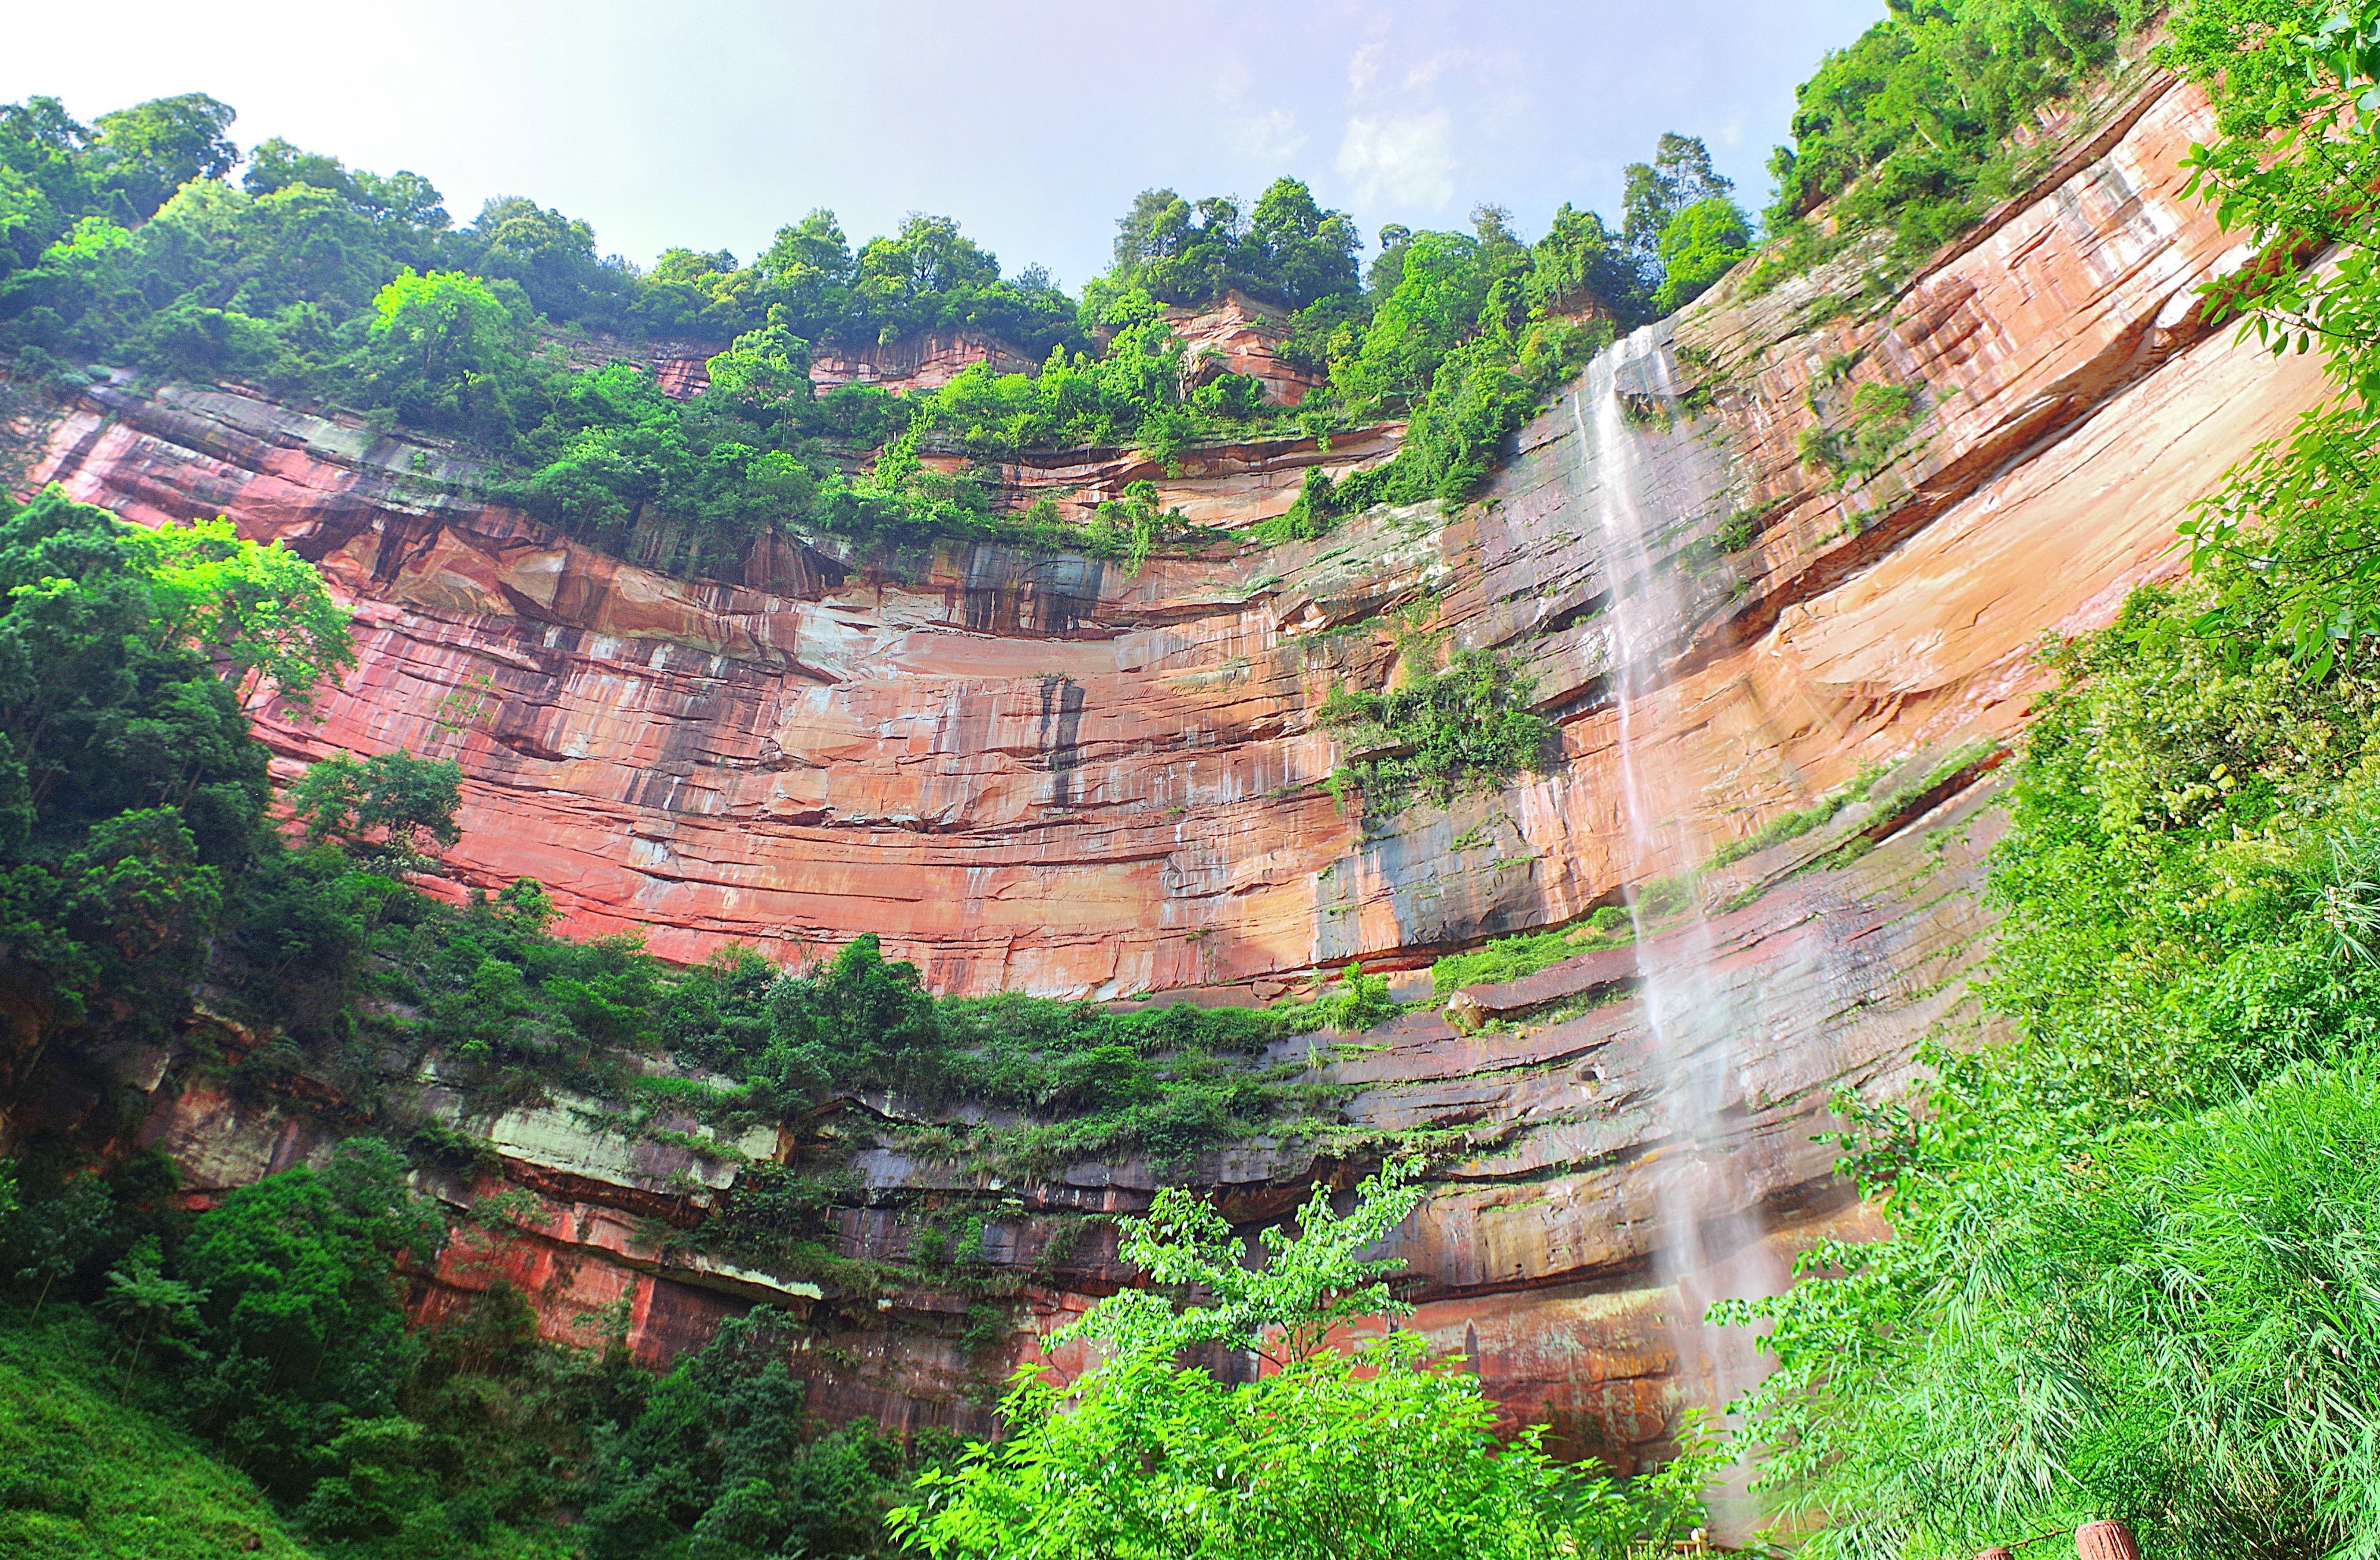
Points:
(129, 781)
(808, 270)
(1443, 282)
(144, 155)
(1175, 250)
(767, 368)
(49, 1240)
(302, 1327)
(1580, 263)
(1298, 252)
(551, 257)
(1368, 1452)
(928, 255)
(1654, 193)
(444, 350)
(146, 1303)
(720, 1465)
(1702, 243)
(2291, 542)
(252, 610)
(384, 811)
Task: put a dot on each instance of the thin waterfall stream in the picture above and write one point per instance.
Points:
(1697, 1021)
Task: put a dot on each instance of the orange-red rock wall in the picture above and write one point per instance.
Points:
(1060, 775)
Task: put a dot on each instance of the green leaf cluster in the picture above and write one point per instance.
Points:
(1912, 129)
(1466, 726)
(1370, 1450)
(2291, 543)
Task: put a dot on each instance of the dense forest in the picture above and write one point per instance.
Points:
(2132, 1271)
(127, 246)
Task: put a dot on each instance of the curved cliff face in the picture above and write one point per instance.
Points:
(1053, 774)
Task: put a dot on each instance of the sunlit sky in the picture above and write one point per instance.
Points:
(1033, 122)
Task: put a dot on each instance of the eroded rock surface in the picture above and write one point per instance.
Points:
(1058, 775)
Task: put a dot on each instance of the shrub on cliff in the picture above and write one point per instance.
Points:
(1337, 1450)
(1466, 726)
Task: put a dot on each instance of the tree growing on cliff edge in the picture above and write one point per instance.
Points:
(383, 812)
(130, 789)
(2291, 543)
(448, 351)
(1361, 1453)
(1288, 249)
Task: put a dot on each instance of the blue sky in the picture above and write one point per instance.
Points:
(1033, 122)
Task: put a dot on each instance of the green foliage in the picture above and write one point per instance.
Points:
(1169, 1080)
(2110, 1236)
(1288, 251)
(251, 611)
(2291, 542)
(1681, 226)
(1314, 1280)
(1791, 824)
(2174, 1333)
(1368, 1451)
(468, 1440)
(301, 1317)
(314, 278)
(1510, 958)
(445, 351)
(1465, 726)
(1881, 416)
(720, 1466)
(1352, 1004)
(1910, 127)
(382, 811)
(83, 1473)
(1701, 244)
(128, 783)
(1467, 335)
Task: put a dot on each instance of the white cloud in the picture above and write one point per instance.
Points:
(1406, 159)
(1260, 135)
(1363, 66)
(1271, 136)
(1422, 76)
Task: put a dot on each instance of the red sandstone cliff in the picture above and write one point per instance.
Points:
(1242, 336)
(1051, 774)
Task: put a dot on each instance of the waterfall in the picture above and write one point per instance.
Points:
(1695, 1021)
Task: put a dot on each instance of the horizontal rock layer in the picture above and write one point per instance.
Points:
(1059, 775)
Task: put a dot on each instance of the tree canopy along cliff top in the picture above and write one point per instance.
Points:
(1701, 880)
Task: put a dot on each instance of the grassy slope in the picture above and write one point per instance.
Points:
(84, 1477)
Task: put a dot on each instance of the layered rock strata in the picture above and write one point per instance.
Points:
(1054, 774)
